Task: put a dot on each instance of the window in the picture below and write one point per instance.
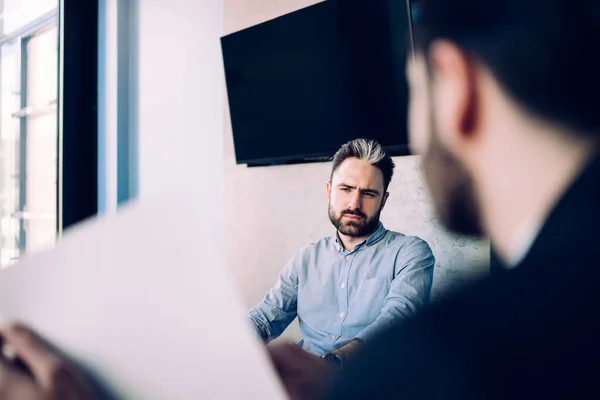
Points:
(28, 127)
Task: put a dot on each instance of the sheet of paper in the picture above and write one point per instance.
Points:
(143, 300)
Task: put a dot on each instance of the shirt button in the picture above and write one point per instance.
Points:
(343, 285)
(342, 315)
(348, 258)
(333, 337)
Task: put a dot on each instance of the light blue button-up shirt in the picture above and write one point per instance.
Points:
(339, 295)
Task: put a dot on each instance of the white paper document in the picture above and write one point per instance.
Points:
(142, 299)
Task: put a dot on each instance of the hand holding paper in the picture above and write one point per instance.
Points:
(29, 370)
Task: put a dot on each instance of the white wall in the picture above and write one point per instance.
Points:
(175, 137)
(272, 211)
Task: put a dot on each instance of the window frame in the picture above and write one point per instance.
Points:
(77, 112)
(20, 38)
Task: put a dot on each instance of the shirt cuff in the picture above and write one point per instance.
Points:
(260, 329)
(368, 333)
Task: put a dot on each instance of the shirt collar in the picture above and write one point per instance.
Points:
(524, 237)
(573, 220)
(375, 236)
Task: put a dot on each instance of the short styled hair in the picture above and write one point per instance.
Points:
(369, 151)
(542, 52)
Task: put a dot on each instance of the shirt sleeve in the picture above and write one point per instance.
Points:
(410, 289)
(279, 307)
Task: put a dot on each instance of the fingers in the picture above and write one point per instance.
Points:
(304, 375)
(283, 354)
(54, 376)
(44, 365)
(277, 358)
(285, 348)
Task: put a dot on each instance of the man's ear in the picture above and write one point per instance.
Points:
(454, 93)
(385, 198)
(328, 190)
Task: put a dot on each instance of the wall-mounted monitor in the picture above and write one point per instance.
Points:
(301, 85)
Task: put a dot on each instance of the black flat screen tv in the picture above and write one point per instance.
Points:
(301, 85)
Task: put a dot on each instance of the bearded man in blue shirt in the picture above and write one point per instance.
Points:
(346, 288)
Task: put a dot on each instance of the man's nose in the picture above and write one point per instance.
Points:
(355, 200)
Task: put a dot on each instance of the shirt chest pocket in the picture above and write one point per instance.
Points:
(373, 283)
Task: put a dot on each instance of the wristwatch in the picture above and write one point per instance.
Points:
(334, 359)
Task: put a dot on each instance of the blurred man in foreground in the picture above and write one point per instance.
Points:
(504, 110)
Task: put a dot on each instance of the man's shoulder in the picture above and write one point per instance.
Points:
(401, 240)
(319, 245)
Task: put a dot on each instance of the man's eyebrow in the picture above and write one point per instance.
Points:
(371, 191)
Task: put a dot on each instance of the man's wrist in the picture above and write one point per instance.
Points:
(334, 360)
(348, 351)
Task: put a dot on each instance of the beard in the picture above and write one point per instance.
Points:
(451, 188)
(355, 229)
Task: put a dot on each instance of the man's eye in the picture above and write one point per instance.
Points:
(369, 195)
(345, 189)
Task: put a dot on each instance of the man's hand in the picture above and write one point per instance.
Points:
(305, 376)
(31, 371)
(348, 351)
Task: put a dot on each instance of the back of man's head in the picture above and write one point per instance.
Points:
(542, 52)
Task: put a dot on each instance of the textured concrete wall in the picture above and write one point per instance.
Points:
(272, 211)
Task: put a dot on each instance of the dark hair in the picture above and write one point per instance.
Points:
(367, 150)
(543, 52)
